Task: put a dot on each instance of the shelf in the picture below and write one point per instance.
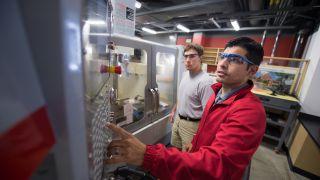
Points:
(210, 63)
(210, 55)
(209, 60)
(206, 52)
(269, 121)
(212, 48)
(281, 115)
(271, 137)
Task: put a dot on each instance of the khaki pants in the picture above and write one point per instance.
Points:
(183, 132)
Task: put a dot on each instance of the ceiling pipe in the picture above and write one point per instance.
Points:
(215, 23)
(245, 5)
(302, 34)
(275, 45)
(266, 11)
(264, 34)
(185, 20)
(263, 37)
(148, 8)
(155, 25)
(180, 7)
(155, 18)
(255, 5)
(279, 5)
(277, 37)
(241, 5)
(285, 14)
(231, 29)
(297, 46)
(158, 24)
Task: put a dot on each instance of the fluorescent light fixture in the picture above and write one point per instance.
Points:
(149, 30)
(235, 25)
(138, 4)
(172, 38)
(96, 22)
(183, 28)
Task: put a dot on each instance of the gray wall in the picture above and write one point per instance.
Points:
(309, 96)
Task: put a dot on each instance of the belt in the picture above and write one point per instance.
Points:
(188, 118)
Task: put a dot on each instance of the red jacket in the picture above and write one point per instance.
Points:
(229, 133)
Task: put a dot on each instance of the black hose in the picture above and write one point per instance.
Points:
(126, 172)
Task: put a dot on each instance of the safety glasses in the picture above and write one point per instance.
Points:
(234, 58)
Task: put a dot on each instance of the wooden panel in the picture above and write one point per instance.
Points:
(210, 55)
(304, 152)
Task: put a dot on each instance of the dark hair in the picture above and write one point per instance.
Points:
(194, 46)
(254, 50)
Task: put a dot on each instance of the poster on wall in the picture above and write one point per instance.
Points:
(278, 79)
(124, 17)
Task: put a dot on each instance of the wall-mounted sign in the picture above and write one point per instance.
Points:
(124, 17)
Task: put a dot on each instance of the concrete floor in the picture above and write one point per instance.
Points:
(268, 165)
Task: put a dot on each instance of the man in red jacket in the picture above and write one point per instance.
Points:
(230, 130)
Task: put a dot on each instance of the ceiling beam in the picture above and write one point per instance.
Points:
(163, 28)
(221, 20)
(231, 29)
(266, 11)
(180, 7)
(201, 20)
(261, 14)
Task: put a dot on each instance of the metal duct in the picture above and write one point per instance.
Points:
(255, 5)
(264, 34)
(296, 46)
(278, 5)
(283, 15)
(302, 34)
(275, 46)
(263, 37)
(297, 49)
(279, 32)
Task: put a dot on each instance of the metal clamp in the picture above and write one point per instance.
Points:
(113, 95)
(154, 97)
(157, 102)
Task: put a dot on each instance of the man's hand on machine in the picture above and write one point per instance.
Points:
(128, 149)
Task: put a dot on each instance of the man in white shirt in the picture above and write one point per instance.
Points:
(193, 94)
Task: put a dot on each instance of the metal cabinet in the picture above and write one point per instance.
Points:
(283, 104)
